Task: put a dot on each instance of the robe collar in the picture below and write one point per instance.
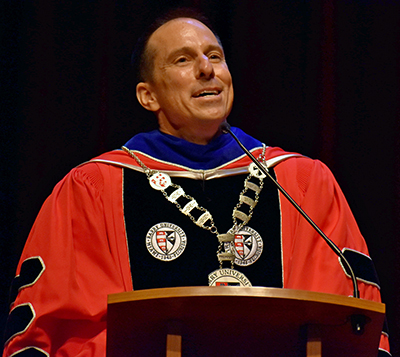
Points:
(200, 157)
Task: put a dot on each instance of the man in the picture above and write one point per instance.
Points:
(177, 207)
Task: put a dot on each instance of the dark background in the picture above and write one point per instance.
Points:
(316, 77)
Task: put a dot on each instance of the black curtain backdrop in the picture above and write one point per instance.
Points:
(316, 77)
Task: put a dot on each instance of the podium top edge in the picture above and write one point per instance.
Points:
(251, 292)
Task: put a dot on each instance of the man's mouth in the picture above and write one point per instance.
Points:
(206, 93)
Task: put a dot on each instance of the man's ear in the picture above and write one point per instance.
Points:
(146, 97)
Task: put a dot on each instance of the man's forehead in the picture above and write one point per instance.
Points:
(177, 29)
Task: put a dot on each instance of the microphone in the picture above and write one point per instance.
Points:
(226, 128)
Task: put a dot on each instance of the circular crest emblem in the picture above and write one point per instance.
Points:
(166, 241)
(160, 181)
(248, 246)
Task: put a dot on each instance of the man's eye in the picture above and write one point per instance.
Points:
(215, 57)
(181, 60)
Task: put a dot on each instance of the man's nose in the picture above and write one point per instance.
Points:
(205, 68)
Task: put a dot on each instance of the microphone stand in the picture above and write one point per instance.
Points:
(357, 321)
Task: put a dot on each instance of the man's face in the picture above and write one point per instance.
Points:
(191, 84)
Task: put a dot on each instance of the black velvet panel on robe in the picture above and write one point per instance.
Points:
(145, 207)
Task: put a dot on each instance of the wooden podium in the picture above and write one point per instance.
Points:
(238, 321)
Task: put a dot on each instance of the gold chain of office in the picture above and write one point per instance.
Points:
(162, 182)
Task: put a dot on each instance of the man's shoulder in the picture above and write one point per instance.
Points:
(105, 161)
(97, 170)
(294, 159)
(304, 171)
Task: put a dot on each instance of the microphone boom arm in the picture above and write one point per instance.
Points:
(226, 128)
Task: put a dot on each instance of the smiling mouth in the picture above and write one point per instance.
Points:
(207, 93)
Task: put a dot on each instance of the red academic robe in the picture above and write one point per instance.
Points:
(79, 250)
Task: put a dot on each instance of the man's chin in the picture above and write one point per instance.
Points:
(211, 121)
(212, 117)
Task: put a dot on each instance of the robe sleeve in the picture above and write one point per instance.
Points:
(309, 263)
(69, 265)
